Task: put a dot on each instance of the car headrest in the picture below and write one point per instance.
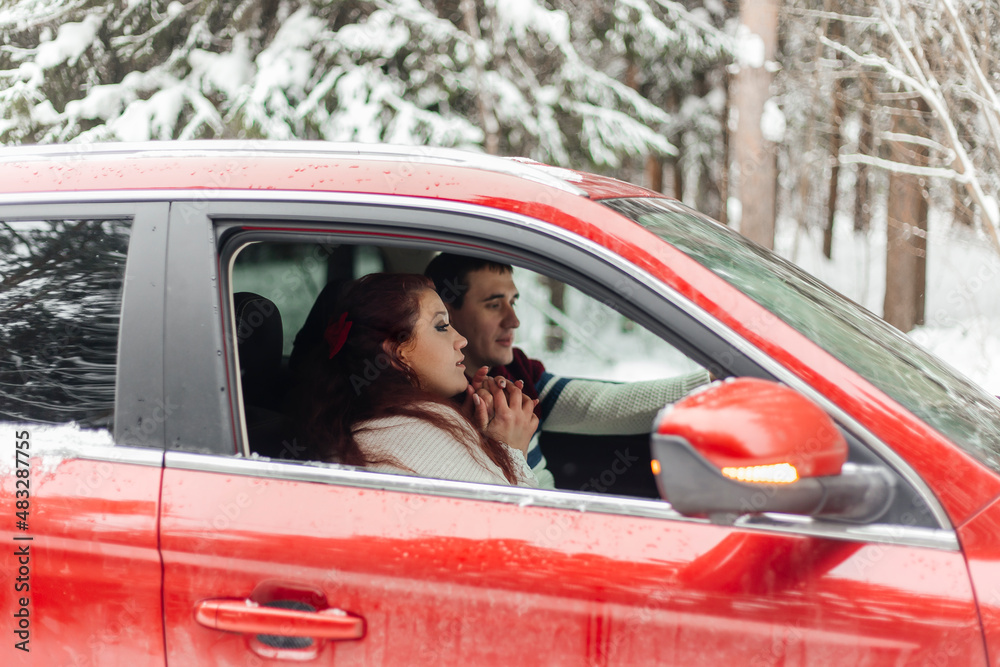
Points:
(260, 337)
(311, 333)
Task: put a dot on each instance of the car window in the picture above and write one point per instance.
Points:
(580, 333)
(60, 305)
(293, 274)
(950, 403)
(575, 336)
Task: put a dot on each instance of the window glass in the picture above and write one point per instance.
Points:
(60, 306)
(919, 381)
(289, 274)
(574, 335)
(579, 336)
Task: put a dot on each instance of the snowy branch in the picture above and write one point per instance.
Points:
(992, 108)
(926, 87)
(903, 167)
(931, 93)
(818, 14)
(31, 14)
(681, 11)
(917, 140)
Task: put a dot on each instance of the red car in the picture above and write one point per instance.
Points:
(833, 501)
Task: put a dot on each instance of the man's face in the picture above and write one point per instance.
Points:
(487, 319)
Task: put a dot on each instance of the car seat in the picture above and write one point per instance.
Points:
(259, 339)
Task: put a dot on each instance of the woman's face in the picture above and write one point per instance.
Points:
(434, 351)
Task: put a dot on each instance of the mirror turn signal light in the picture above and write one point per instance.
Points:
(655, 465)
(776, 473)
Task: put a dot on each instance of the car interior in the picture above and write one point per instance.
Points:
(282, 295)
(281, 299)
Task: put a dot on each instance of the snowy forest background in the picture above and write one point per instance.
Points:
(859, 139)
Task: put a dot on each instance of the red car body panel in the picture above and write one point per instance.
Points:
(609, 588)
(94, 566)
(442, 581)
(932, 455)
(979, 542)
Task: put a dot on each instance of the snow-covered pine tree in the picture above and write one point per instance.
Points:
(409, 71)
(674, 54)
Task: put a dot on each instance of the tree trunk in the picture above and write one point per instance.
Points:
(724, 178)
(674, 177)
(866, 146)
(491, 127)
(654, 173)
(906, 246)
(555, 337)
(836, 118)
(755, 157)
(654, 162)
(964, 209)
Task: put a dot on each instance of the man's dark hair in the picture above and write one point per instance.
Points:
(450, 274)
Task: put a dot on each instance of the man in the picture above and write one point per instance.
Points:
(480, 296)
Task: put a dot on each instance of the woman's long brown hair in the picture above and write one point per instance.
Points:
(366, 379)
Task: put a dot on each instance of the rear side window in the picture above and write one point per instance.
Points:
(60, 307)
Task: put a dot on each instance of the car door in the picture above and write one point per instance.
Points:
(81, 417)
(269, 560)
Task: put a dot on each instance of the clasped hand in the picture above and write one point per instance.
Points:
(501, 409)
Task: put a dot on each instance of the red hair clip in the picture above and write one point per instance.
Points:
(336, 334)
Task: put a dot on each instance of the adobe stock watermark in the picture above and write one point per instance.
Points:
(372, 368)
(639, 618)
(221, 179)
(816, 443)
(123, 627)
(963, 295)
(150, 422)
(621, 462)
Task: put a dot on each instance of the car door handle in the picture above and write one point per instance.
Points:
(248, 617)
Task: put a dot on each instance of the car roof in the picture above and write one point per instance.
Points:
(276, 165)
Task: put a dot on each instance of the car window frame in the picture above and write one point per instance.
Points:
(413, 222)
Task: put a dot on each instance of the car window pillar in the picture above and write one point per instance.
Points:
(140, 407)
(196, 383)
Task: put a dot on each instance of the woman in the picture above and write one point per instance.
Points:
(381, 391)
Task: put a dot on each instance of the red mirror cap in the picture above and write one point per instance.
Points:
(752, 422)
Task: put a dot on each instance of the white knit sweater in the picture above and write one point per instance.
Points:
(594, 407)
(429, 451)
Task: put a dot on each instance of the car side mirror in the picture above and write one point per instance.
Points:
(747, 446)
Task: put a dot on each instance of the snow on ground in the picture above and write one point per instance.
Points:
(963, 298)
